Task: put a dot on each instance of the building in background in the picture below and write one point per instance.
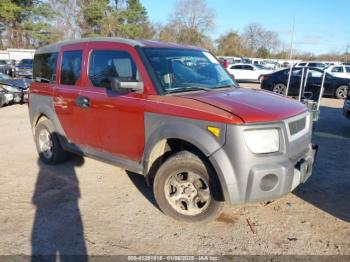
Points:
(16, 54)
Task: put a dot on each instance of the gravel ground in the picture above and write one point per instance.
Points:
(88, 207)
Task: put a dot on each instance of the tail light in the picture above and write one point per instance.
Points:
(265, 77)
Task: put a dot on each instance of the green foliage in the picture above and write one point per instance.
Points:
(230, 44)
(10, 11)
(27, 22)
(263, 52)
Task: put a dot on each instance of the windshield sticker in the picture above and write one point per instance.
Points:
(211, 57)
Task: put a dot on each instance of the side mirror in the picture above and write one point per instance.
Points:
(131, 86)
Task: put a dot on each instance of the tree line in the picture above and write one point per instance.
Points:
(33, 23)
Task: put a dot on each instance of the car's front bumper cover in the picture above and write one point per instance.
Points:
(346, 108)
(253, 177)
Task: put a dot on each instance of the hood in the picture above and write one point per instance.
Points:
(24, 66)
(251, 105)
(19, 83)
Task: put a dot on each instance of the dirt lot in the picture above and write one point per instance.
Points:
(88, 207)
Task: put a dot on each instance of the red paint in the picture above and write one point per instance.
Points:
(115, 122)
(252, 105)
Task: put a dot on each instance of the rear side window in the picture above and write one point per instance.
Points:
(44, 68)
(338, 69)
(247, 67)
(347, 68)
(302, 64)
(108, 64)
(71, 67)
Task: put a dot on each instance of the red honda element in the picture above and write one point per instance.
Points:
(173, 114)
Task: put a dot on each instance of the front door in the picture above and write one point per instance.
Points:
(114, 120)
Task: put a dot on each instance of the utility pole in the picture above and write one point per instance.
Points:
(290, 57)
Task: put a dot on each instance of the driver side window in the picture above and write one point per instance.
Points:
(104, 65)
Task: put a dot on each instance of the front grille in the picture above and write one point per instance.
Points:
(297, 126)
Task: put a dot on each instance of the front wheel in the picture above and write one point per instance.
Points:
(187, 189)
(341, 92)
(279, 89)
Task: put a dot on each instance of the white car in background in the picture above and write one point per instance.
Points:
(339, 71)
(248, 72)
(315, 64)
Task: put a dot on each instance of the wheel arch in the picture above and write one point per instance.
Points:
(164, 138)
(167, 147)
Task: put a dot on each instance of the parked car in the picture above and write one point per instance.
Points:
(339, 71)
(5, 67)
(333, 86)
(24, 68)
(195, 136)
(346, 107)
(5, 97)
(12, 65)
(248, 72)
(18, 88)
(313, 64)
(270, 65)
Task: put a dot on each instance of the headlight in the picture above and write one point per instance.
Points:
(262, 141)
(10, 88)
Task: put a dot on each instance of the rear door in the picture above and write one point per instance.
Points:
(67, 92)
(338, 71)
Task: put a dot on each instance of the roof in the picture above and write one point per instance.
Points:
(142, 43)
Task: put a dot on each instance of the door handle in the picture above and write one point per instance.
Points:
(83, 101)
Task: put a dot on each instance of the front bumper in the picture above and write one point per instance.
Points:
(24, 73)
(346, 108)
(249, 177)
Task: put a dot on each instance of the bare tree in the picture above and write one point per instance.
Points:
(252, 36)
(67, 19)
(189, 24)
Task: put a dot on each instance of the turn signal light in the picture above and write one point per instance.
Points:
(214, 130)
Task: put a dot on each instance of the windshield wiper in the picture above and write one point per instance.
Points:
(188, 88)
(225, 86)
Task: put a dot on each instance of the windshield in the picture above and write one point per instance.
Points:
(260, 66)
(181, 70)
(26, 61)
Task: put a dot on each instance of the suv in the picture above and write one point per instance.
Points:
(319, 65)
(195, 135)
(24, 68)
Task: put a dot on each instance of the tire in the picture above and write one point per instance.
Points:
(260, 79)
(279, 89)
(177, 185)
(2, 100)
(341, 92)
(47, 144)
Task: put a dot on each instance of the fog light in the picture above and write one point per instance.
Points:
(268, 182)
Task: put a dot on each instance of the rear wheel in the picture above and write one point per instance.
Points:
(2, 100)
(187, 189)
(341, 92)
(47, 144)
(279, 89)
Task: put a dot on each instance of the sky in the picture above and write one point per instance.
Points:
(321, 26)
